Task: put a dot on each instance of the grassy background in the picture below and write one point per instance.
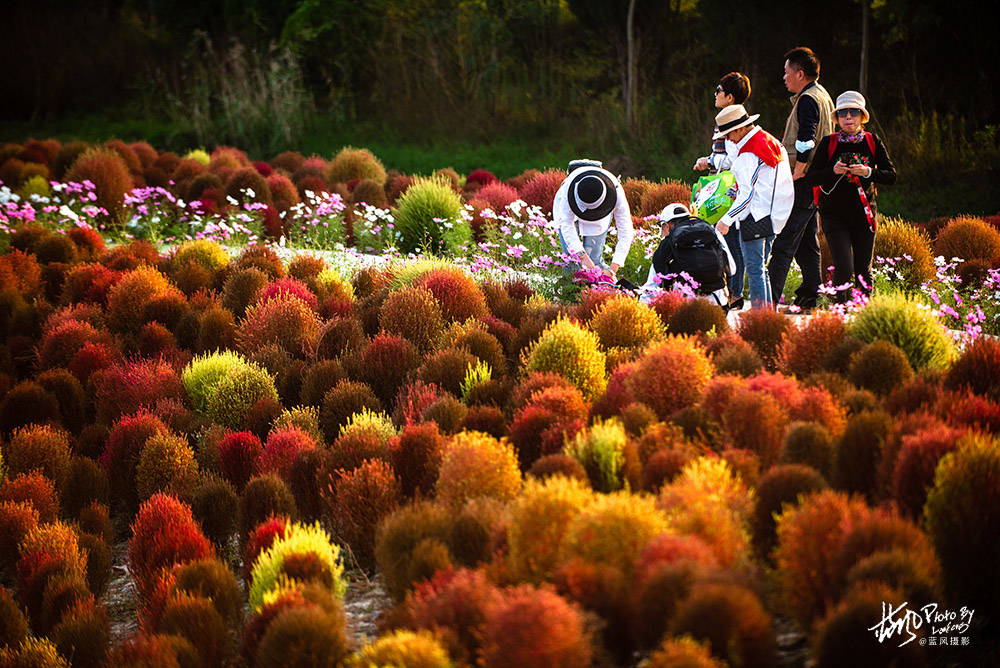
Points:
(946, 193)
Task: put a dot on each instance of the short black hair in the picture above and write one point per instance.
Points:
(737, 85)
(803, 58)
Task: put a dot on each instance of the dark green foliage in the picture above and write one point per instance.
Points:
(808, 443)
(262, 497)
(216, 506)
(880, 367)
(341, 402)
(781, 485)
(859, 452)
(214, 580)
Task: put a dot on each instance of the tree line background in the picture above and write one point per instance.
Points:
(507, 82)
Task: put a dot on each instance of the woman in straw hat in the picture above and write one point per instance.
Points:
(764, 196)
(845, 169)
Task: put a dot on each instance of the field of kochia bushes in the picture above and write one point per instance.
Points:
(533, 483)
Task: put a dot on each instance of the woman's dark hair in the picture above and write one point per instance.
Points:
(803, 58)
(737, 85)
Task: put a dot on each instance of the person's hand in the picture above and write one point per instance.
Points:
(800, 171)
(613, 270)
(701, 164)
(859, 170)
(609, 274)
(839, 167)
(722, 227)
(586, 261)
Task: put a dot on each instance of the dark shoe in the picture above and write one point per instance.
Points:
(736, 305)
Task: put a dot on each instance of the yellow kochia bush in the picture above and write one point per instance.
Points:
(711, 502)
(612, 530)
(572, 351)
(539, 519)
(475, 464)
(299, 539)
(625, 322)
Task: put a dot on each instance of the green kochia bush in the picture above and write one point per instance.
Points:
(600, 450)
(235, 395)
(203, 374)
(424, 201)
(909, 326)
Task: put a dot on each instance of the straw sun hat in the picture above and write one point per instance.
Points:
(732, 117)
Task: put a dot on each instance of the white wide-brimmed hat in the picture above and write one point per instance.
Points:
(732, 117)
(851, 99)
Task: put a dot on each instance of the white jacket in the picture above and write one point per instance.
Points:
(755, 180)
(568, 221)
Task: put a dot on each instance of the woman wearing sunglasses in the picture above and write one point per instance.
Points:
(734, 88)
(845, 169)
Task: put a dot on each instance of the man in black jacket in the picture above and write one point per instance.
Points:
(693, 247)
(809, 121)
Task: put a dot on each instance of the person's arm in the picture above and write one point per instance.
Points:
(884, 171)
(820, 171)
(662, 257)
(807, 114)
(623, 223)
(562, 215)
(745, 168)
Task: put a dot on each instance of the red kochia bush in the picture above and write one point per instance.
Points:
(977, 369)
(88, 283)
(456, 292)
(532, 628)
(916, 462)
(386, 362)
(261, 538)
(283, 319)
(35, 489)
(164, 534)
(122, 389)
(239, 454)
(360, 500)
(541, 190)
(454, 604)
(283, 448)
(110, 176)
(670, 375)
(764, 330)
(17, 518)
(481, 177)
(416, 457)
(497, 196)
(288, 286)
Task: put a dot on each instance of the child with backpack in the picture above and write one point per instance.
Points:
(845, 169)
(692, 246)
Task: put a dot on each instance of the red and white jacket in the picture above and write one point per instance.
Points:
(759, 163)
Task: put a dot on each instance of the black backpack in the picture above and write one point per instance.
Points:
(695, 248)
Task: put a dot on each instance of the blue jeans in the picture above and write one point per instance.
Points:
(592, 246)
(732, 238)
(755, 256)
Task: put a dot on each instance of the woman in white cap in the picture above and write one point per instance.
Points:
(846, 166)
(583, 209)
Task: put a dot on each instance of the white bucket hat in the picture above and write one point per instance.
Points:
(732, 117)
(851, 99)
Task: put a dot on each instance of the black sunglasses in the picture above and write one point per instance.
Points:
(844, 113)
(718, 89)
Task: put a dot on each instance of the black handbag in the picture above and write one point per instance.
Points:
(750, 229)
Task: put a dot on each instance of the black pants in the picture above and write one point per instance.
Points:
(851, 244)
(797, 240)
